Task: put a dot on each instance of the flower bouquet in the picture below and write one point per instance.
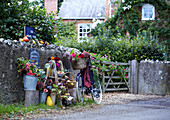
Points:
(26, 68)
(29, 72)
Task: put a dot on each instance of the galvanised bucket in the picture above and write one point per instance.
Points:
(30, 82)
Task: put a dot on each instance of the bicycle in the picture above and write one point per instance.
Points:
(95, 89)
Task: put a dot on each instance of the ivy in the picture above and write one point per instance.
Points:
(129, 20)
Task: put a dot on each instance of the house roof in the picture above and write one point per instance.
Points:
(83, 9)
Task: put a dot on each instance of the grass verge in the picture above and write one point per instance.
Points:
(18, 109)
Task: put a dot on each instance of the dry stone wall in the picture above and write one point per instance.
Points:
(11, 83)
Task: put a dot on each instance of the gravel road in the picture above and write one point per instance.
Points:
(122, 107)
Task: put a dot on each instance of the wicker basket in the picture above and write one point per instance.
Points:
(71, 83)
(79, 64)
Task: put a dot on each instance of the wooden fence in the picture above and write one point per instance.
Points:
(114, 82)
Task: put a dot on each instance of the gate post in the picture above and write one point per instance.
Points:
(134, 77)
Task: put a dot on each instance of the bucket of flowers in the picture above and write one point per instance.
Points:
(29, 72)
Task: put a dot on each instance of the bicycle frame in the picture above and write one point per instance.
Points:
(96, 92)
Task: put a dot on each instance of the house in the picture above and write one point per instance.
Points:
(86, 13)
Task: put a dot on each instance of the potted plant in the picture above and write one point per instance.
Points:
(43, 91)
(29, 72)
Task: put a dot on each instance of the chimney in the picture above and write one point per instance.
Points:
(108, 8)
(51, 5)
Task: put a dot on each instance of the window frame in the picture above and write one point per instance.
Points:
(153, 10)
(84, 26)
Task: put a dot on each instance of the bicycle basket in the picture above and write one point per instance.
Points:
(79, 64)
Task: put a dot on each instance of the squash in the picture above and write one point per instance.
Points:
(49, 101)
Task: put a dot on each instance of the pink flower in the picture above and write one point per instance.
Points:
(45, 90)
(126, 76)
(27, 68)
(94, 53)
(91, 58)
(57, 64)
(125, 68)
(27, 64)
(117, 64)
(103, 57)
(28, 73)
(32, 64)
(112, 64)
(73, 54)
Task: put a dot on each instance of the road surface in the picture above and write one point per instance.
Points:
(156, 109)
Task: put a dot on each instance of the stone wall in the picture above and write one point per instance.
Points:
(11, 83)
(153, 78)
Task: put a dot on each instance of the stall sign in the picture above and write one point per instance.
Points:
(34, 57)
(30, 32)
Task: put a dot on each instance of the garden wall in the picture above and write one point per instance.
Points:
(11, 82)
(153, 78)
(149, 78)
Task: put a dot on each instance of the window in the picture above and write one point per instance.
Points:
(83, 30)
(148, 12)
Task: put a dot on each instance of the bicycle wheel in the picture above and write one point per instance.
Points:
(80, 89)
(96, 93)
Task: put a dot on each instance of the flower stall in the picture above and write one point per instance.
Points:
(52, 83)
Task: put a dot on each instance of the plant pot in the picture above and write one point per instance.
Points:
(53, 97)
(30, 82)
(79, 64)
(43, 96)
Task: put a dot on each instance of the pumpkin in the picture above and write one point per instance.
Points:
(25, 39)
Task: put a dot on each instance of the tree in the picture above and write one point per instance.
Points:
(15, 14)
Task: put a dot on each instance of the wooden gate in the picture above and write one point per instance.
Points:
(112, 81)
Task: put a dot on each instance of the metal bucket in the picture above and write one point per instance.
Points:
(30, 82)
(43, 96)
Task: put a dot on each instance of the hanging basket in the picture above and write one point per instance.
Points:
(79, 64)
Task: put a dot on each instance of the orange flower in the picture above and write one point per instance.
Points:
(52, 58)
(30, 71)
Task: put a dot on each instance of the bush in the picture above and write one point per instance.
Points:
(122, 49)
(66, 33)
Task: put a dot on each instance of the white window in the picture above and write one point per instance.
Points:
(148, 12)
(83, 30)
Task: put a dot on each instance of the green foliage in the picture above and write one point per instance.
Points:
(15, 14)
(59, 4)
(122, 49)
(66, 34)
(129, 20)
